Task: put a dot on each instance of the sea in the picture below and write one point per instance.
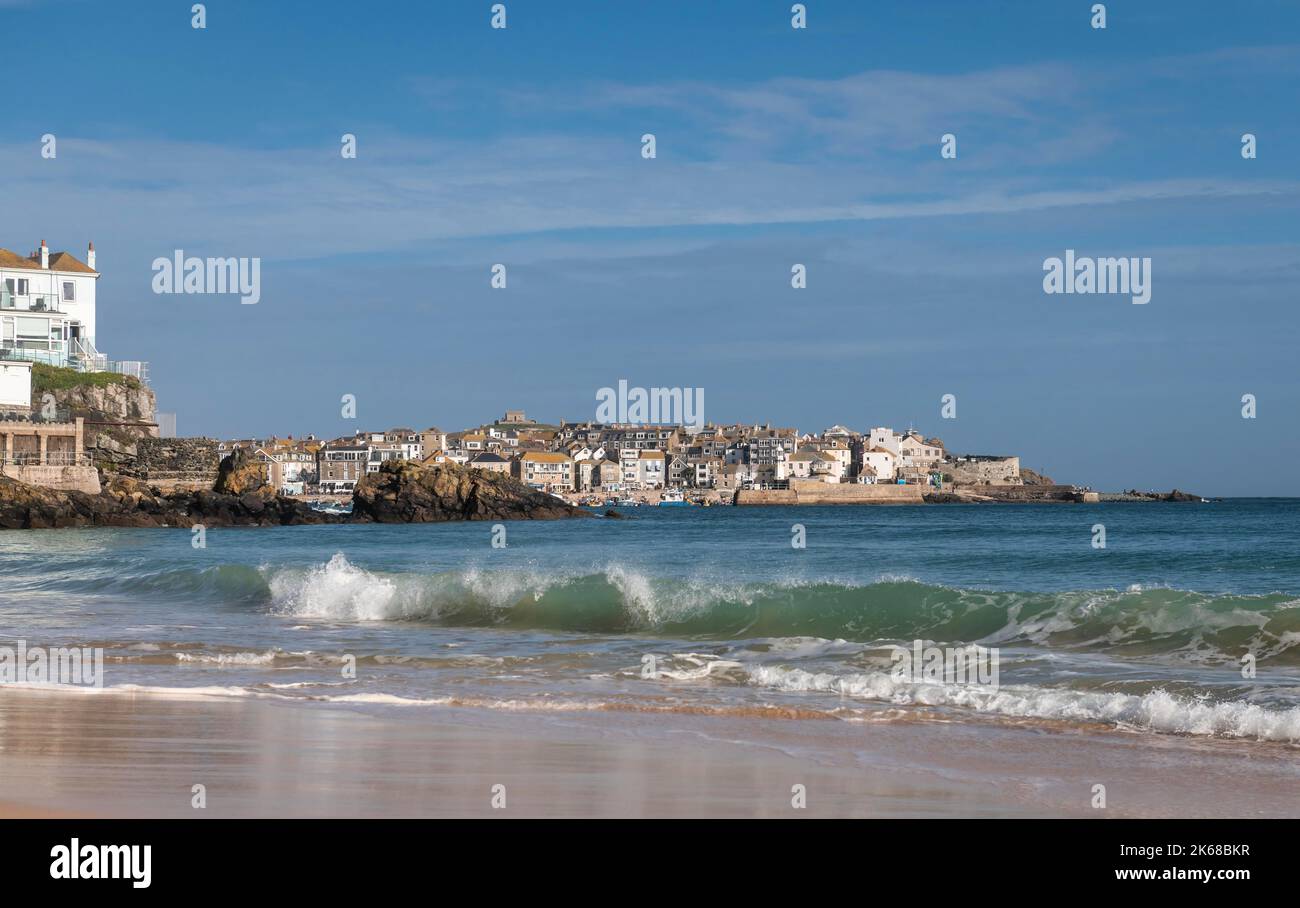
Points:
(1186, 622)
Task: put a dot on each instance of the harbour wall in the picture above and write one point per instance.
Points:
(813, 492)
(64, 478)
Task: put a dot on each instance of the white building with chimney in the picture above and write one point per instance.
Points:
(47, 308)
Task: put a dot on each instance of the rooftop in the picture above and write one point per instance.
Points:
(59, 261)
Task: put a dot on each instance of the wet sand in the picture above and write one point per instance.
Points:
(115, 754)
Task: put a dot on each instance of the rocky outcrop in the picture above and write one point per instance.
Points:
(407, 492)
(126, 502)
(239, 474)
(401, 492)
(118, 410)
(986, 494)
(124, 400)
(109, 446)
(1135, 495)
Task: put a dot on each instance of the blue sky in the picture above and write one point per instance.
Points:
(775, 146)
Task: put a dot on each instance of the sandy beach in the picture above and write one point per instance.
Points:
(121, 754)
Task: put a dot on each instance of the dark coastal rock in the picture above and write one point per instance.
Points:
(127, 502)
(1137, 495)
(401, 492)
(239, 474)
(1033, 478)
(407, 492)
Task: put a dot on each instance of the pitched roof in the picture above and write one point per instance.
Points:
(546, 457)
(59, 261)
(66, 261)
(13, 260)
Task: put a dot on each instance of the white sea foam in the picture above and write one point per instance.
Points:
(808, 647)
(228, 659)
(1154, 711)
(537, 705)
(503, 589)
(342, 591)
(338, 591)
(698, 666)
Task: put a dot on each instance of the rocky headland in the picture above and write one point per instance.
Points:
(1135, 495)
(401, 492)
(407, 492)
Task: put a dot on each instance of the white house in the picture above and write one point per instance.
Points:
(882, 462)
(882, 437)
(47, 307)
(651, 469)
(629, 466)
(798, 465)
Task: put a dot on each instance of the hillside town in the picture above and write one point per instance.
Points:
(72, 419)
(69, 416)
(603, 459)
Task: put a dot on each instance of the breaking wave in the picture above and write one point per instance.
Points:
(1136, 622)
(1133, 622)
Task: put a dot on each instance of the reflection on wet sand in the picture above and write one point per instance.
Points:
(119, 754)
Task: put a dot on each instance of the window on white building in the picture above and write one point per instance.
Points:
(69, 291)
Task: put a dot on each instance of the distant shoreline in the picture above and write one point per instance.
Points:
(850, 494)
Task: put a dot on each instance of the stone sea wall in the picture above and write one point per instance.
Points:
(174, 463)
(1003, 471)
(812, 492)
(62, 478)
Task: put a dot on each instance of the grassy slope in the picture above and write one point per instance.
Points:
(52, 378)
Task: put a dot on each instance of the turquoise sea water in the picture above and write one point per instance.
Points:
(705, 609)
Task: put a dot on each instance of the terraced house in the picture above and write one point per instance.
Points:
(546, 470)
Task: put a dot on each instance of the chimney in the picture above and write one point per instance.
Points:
(90, 256)
(45, 256)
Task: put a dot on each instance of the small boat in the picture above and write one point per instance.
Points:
(628, 503)
(673, 499)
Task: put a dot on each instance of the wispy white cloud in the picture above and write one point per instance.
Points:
(856, 161)
(305, 203)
